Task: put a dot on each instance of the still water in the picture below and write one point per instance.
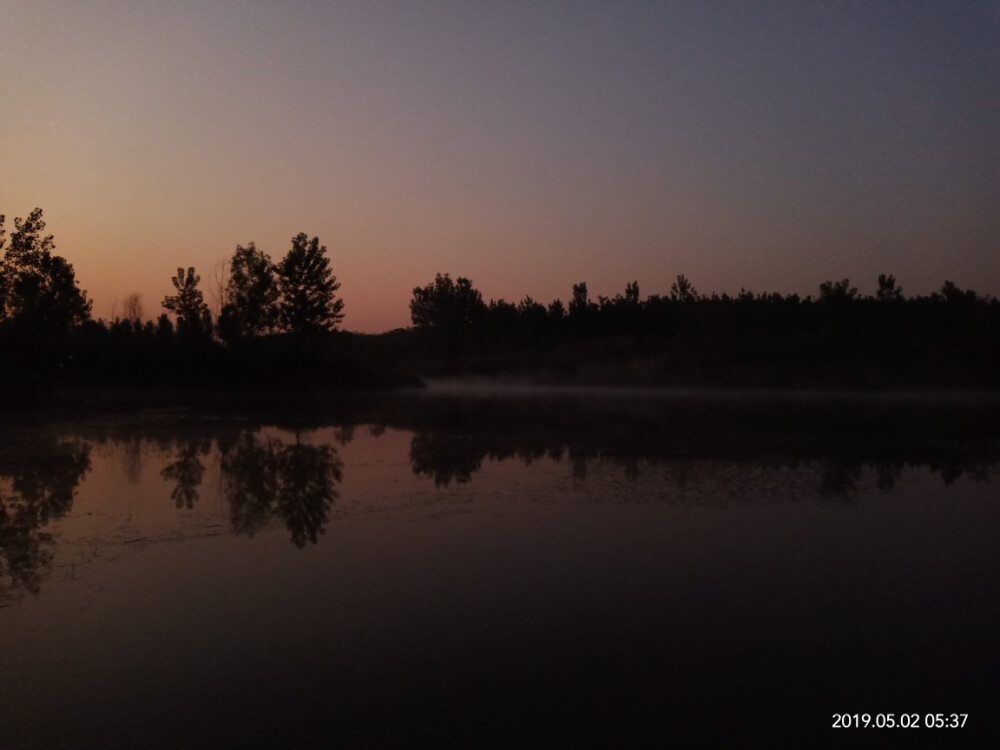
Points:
(497, 568)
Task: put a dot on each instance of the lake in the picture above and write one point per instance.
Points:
(492, 566)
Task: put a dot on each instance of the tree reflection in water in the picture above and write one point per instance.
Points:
(264, 478)
(250, 481)
(445, 457)
(187, 471)
(840, 479)
(307, 475)
(664, 452)
(888, 473)
(43, 480)
(22, 554)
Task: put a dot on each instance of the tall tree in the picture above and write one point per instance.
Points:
(193, 316)
(579, 303)
(251, 295)
(632, 293)
(682, 290)
(38, 289)
(307, 287)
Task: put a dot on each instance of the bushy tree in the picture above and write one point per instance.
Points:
(250, 298)
(38, 289)
(307, 301)
(446, 304)
(193, 316)
(953, 294)
(837, 292)
(452, 308)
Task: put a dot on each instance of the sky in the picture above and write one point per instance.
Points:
(527, 146)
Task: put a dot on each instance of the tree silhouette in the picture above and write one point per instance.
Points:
(580, 302)
(454, 309)
(632, 293)
(682, 290)
(250, 296)
(582, 312)
(38, 290)
(164, 328)
(953, 294)
(556, 311)
(888, 289)
(193, 316)
(837, 292)
(307, 286)
(132, 311)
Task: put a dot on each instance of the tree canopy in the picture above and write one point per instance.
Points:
(250, 296)
(454, 309)
(446, 304)
(307, 287)
(193, 316)
(38, 289)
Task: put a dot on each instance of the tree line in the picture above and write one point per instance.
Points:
(295, 296)
(837, 338)
(39, 293)
(47, 332)
(279, 322)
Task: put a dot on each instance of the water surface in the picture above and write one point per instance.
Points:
(496, 568)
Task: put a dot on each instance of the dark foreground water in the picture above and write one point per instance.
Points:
(491, 568)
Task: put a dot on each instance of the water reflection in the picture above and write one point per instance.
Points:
(262, 478)
(287, 468)
(306, 488)
(446, 458)
(42, 476)
(187, 472)
(888, 474)
(454, 437)
(840, 479)
(251, 481)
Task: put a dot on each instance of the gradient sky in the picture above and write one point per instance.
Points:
(525, 145)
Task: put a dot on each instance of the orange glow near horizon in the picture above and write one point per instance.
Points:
(522, 147)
